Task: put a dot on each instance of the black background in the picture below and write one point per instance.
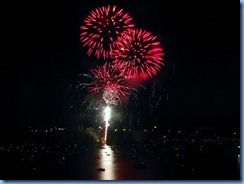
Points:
(201, 41)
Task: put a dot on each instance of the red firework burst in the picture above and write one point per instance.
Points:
(108, 85)
(101, 29)
(138, 55)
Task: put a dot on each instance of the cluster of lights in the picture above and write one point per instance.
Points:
(47, 130)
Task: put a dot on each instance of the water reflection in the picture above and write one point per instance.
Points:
(81, 162)
(107, 162)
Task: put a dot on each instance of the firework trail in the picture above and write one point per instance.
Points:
(107, 115)
(138, 55)
(101, 29)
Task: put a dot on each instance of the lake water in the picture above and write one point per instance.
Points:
(88, 164)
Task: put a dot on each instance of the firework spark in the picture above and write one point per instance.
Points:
(109, 85)
(138, 54)
(101, 29)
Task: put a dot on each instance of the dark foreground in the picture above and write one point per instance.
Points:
(174, 161)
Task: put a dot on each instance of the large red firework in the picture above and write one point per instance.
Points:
(108, 85)
(101, 29)
(138, 55)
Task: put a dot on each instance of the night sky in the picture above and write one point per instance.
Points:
(200, 82)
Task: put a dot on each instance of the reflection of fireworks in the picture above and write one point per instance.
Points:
(101, 29)
(138, 54)
(109, 85)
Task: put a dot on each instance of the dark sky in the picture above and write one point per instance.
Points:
(201, 77)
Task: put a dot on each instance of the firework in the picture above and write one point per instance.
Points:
(101, 29)
(109, 85)
(138, 55)
(107, 115)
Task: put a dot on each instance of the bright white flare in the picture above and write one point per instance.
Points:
(107, 113)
